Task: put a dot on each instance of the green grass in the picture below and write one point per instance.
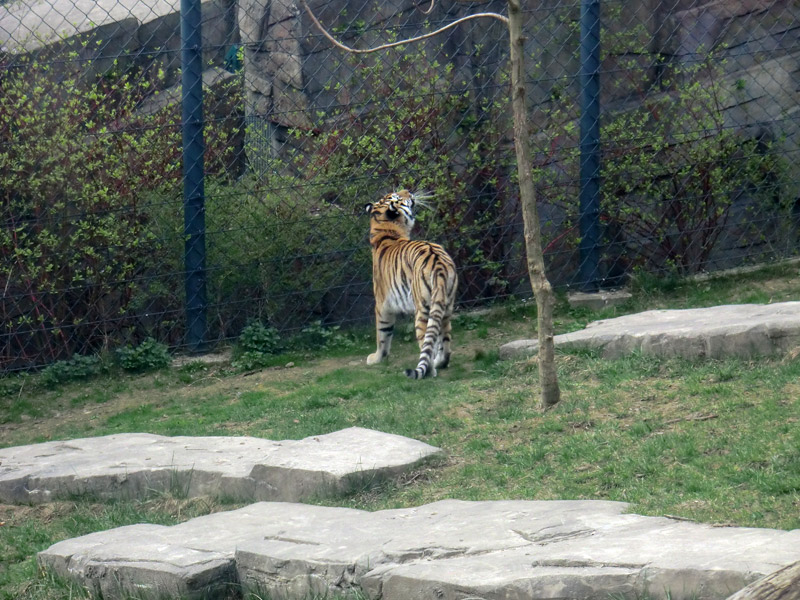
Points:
(713, 441)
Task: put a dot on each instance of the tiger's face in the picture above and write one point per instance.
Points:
(396, 208)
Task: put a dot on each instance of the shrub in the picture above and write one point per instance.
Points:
(78, 368)
(317, 336)
(434, 129)
(279, 250)
(672, 167)
(78, 164)
(671, 198)
(73, 236)
(255, 347)
(150, 355)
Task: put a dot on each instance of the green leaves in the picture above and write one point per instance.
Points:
(78, 167)
(431, 130)
(672, 168)
(150, 355)
(256, 346)
(78, 368)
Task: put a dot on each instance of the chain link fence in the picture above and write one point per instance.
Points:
(696, 146)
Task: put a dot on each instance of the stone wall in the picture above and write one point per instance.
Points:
(295, 79)
(290, 68)
(128, 32)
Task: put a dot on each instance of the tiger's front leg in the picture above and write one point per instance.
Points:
(384, 330)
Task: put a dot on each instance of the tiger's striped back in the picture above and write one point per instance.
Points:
(410, 276)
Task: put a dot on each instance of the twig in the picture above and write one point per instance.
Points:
(691, 418)
(191, 383)
(429, 10)
(677, 518)
(418, 38)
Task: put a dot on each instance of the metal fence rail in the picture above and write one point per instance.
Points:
(110, 233)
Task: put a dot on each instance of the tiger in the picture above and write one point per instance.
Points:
(410, 276)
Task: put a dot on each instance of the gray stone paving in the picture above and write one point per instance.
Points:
(514, 550)
(740, 330)
(451, 550)
(135, 465)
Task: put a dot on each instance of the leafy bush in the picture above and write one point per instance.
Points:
(255, 346)
(78, 368)
(671, 198)
(318, 336)
(672, 168)
(78, 162)
(73, 236)
(150, 355)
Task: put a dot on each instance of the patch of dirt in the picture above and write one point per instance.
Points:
(780, 289)
(217, 358)
(13, 515)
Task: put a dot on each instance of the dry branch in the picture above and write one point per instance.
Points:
(418, 38)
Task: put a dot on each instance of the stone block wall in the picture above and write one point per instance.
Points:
(112, 33)
(295, 79)
(290, 70)
(290, 67)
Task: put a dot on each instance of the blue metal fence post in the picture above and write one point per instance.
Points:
(588, 273)
(193, 173)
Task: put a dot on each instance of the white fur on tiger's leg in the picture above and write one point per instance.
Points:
(384, 332)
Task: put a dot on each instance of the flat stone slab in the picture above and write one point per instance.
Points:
(135, 465)
(582, 550)
(739, 330)
(598, 300)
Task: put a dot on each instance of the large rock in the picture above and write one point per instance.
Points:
(740, 330)
(135, 465)
(452, 549)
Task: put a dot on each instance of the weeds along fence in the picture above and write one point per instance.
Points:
(665, 138)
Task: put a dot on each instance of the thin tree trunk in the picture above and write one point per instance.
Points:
(545, 299)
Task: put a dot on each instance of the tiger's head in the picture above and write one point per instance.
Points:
(395, 210)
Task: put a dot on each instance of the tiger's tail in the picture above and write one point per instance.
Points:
(433, 333)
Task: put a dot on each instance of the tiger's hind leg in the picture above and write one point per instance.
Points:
(420, 324)
(429, 333)
(443, 347)
(384, 331)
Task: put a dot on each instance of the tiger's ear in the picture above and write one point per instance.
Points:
(368, 207)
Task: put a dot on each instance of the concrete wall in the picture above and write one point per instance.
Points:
(291, 73)
(131, 32)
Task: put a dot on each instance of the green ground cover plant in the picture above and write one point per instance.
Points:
(713, 441)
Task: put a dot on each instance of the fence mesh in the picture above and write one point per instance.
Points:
(698, 142)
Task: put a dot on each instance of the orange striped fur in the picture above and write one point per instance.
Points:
(410, 276)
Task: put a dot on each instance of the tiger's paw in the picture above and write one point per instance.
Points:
(374, 358)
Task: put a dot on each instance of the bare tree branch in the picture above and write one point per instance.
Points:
(341, 46)
(429, 9)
